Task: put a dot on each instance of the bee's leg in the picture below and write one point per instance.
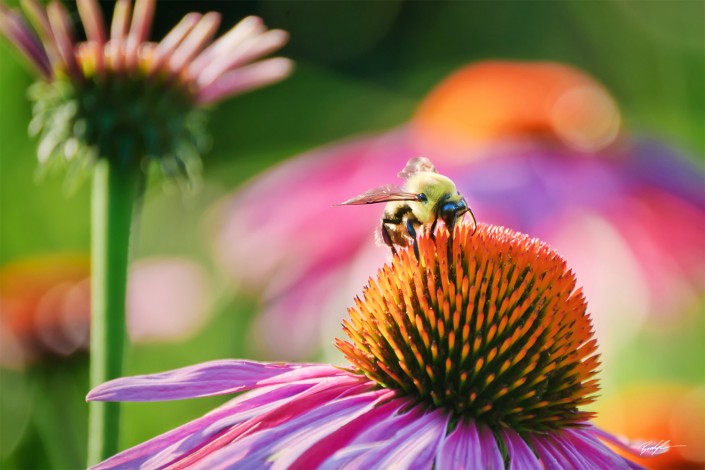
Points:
(432, 232)
(474, 221)
(387, 238)
(412, 232)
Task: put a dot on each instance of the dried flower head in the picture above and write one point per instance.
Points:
(117, 95)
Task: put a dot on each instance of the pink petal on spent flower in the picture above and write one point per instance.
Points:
(246, 78)
(92, 20)
(121, 20)
(142, 17)
(14, 27)
(171, 41)
(251, 49)
(62, 31)
(195, 41)
(230, 41)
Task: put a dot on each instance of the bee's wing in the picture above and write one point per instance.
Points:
(386, 193)
(416, 165)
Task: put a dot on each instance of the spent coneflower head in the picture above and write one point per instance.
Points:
(117, 95)
(489, 327)
(478, 354)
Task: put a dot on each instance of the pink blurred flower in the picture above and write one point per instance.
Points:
(532, 146)
(45, 305)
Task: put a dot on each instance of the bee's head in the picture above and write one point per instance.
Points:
(450, 209)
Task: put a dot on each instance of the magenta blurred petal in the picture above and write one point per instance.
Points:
(168, 299)
(644, 256)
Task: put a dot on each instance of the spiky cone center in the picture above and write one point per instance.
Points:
(487, 325)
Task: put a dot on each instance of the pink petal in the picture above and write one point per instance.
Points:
(252, 49)
(246, 78)
(226, 44)
(195, 41)
(61, 29)
(92, 20)
(171, 41)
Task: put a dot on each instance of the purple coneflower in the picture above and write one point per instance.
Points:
(117, 95)
(478, 355)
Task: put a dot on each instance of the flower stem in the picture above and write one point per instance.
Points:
(114, 193)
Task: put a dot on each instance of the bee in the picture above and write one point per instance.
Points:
(425, 197)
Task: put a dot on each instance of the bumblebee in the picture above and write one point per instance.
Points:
(425, 197)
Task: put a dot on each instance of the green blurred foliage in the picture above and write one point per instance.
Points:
(362, 66)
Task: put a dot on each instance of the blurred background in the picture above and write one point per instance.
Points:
(258, 264)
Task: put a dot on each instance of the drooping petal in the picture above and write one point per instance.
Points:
(171, 445)
(234, 444)
(411, 437)
(284, 435)
(587, 446)
(206, 379)
(413, 447)
(521, 457)
(325, 447)
(470, 445)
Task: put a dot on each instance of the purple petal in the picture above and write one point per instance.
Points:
(587, 445)
(285, 434)
(328, 445)
(414, 447)
(470, 445)
(521, 457)
(165, 448)
(207, 379)
(551, 458)
(409, 440)
(631, 446)
(246, 78)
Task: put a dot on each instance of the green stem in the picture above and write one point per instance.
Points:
(114, 191)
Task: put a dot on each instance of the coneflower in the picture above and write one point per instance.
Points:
(478, 355)
(119, 96)
(119, 104)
